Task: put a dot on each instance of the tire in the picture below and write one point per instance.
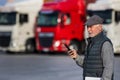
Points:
(74, 45)
(78, 45)
(30, 47)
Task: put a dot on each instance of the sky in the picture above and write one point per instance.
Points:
(3, 2)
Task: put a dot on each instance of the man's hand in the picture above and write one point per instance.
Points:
(72, 53)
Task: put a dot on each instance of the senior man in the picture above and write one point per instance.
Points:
(99, 58)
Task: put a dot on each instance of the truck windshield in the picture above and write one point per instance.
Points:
(105, 14)
(47, 19)
(8, 18)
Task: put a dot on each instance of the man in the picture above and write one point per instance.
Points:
(99, 57)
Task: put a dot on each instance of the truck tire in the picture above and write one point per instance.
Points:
(30, 46)
(78, 45)
(74, 45)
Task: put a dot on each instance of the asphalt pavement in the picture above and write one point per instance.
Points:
(43, 67)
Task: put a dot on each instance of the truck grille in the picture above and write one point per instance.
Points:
(46, 42)
(5, 39)
(46, 39)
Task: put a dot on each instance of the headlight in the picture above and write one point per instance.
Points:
(13, 44)
(57, 43)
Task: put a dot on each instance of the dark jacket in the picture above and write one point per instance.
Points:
(93, 64)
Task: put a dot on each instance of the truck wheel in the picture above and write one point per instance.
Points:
(78, 45)
(30, 47)
(74, 45)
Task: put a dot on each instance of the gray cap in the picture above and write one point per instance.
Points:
(95, 19)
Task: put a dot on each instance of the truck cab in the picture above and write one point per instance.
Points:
(17, 21)
(60, 22)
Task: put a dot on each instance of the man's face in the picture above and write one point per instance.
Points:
(94, 30)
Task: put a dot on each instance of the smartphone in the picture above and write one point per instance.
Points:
(67, 46)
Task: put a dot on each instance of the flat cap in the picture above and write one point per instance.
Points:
(95, 19)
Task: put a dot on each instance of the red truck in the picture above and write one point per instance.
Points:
(60, 21)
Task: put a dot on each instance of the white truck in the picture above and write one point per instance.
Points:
(17, 20)
(109, 10)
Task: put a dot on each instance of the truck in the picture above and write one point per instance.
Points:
(60, 22)
(17, 21)
(109, 10)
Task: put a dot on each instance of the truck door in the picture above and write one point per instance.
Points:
(117, 31)
(65, 25)
(23, 30)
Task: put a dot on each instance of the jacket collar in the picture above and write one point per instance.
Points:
(96, 38)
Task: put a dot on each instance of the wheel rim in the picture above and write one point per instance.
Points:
(74, 46)
(29, 48)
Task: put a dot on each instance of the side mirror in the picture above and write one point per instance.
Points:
(117, 17)
(65, 20)
(23, 18)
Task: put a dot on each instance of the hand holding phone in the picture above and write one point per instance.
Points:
(72, 55)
